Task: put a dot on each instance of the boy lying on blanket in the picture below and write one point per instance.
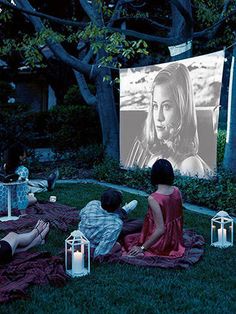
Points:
(102, 222)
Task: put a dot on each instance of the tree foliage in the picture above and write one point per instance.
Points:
(94, 37)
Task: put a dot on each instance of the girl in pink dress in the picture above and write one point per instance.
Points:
(162, 232)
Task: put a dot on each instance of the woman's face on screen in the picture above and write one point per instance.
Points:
(166, 114)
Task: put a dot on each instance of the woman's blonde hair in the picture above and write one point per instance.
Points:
(185, 141)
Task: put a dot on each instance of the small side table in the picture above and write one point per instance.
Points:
(9, 186)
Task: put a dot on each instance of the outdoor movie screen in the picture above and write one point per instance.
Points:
(171, 111)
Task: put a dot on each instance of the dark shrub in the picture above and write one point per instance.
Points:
(89, 156)
(221, 139)
(108, 170)
(73, 126)
(40, 123)
(14, 125)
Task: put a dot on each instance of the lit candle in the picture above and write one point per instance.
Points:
(78, 265)
(222, 235)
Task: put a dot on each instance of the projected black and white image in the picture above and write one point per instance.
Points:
(171, 111)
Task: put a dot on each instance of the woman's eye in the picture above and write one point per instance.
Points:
(155, 106)
(167, 106)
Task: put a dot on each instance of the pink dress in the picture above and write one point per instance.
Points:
(170, 244)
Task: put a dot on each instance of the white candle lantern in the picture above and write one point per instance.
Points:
(77, 254)
(222, 230)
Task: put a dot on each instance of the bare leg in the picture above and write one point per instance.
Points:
(36, 241)
(24, 239)
(37, 185)
(31, 200)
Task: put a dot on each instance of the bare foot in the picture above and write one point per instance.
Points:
(45, 231)
(38, 234)
(40, 239)
(39, 227)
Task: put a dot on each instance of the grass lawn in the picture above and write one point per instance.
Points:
(207, 287)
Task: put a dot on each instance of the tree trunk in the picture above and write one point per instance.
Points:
(230, 147)
(107, 114)
(181, 28)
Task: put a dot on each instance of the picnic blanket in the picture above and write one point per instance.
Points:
(194, 250)
(28, 268)
(60, 217)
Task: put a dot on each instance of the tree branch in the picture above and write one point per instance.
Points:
(85, 54)
(116, 12)
(56, 48)
(98, 12)
(149, 21)
(88, 56)
(164, 40)
(210, 31)
(184, 12)
(88, 97)
(88, 10)
(225, 7)
(42, 15)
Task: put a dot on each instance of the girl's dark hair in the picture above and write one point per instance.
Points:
(13, 157)
(111, 200)
(162, 172)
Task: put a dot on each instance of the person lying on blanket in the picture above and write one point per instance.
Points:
(102, 221)
(23, 194)
(162, 231)
(20, 242)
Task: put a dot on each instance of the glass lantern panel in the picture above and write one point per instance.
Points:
(228, 228)
(215, 228)
(69, 257)
(221, 233)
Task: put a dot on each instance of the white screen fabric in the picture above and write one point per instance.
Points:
(171, 111)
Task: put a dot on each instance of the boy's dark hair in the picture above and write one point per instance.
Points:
(111, 199)
(162, 172)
